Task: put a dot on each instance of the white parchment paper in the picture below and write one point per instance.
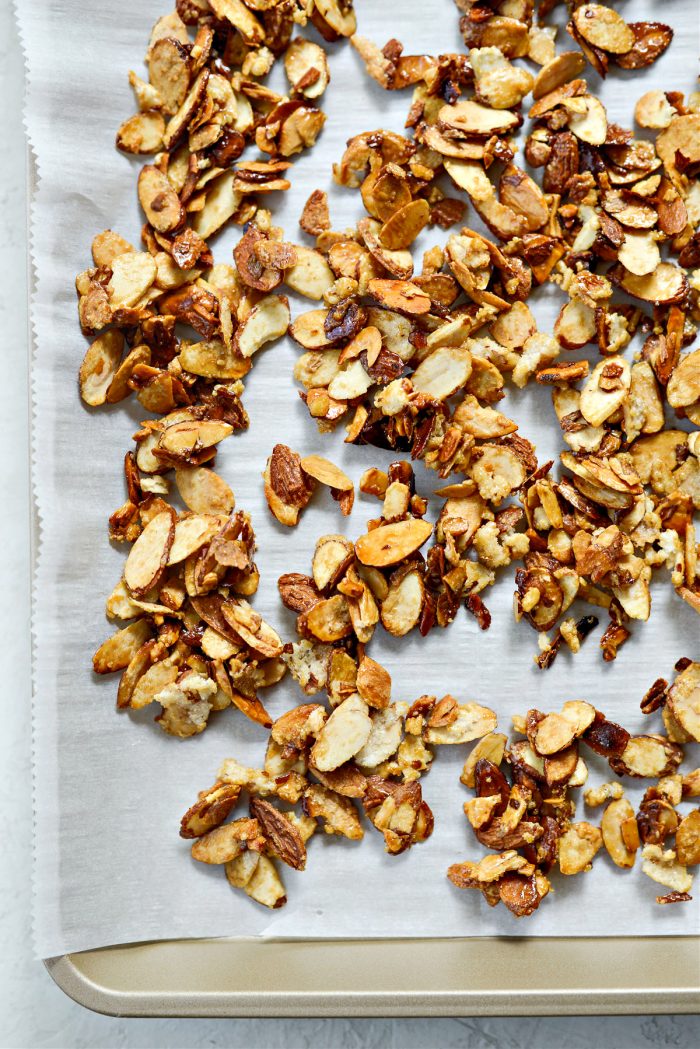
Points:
(110, 788)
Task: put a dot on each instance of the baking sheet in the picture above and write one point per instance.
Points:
(110, 788)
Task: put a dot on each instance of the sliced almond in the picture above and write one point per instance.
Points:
(389, 544)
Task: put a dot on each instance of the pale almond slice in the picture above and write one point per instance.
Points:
(310, 275)
(653, 110)
(169, 71)
(615, 817)
(100, 365)
(221, 202)
(402, 606)
(345, 733)
(443, 372)
(577, 846)
(148, 556)
(331, 557)
(554, 733)
(639, 253)
(472, 722)
(241, 18)
(664, 868)
(389, 544)
(648, 757)
(268, 320)
(203, 491)
(598, 403)
(325, 472)
(666, 285)
(384, 738)
(604, 28)
(306, 66)
(133, 273)
(587, 119)
(223, 844)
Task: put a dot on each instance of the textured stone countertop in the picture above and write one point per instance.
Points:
(33, 1012)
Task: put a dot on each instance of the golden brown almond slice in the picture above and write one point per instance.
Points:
(554, 733)
(587, 119)
(118, 650)
(401, 229)
(148, 556)
(159, 200)
(210, 810)
(473, 118)
(615, 818)
(311, 275)
(203, 491)
(343, 735)
(287, 488)
(100, 365)
(604, 28)
(399, 295)
(191, 533)
(329, 620)
(373, 683)
(133, 273)
(157, 678)
(323, 471)
(257, 875)
(472, 722)
(683, 387)
(241, 18)
(558, 71)
(666, 285)
(577, 846)
(490, 747)
(169, 72)
(142, 133)
(389, 544)
(683, 700)
(225, 843)
(688, 839)
(334, 18)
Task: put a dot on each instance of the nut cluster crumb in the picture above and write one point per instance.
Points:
(414, 357)
(368, 750)
(529, 819)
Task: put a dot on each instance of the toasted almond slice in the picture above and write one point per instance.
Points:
(210, 810)
(148, 556)
(169, 72)
(345, 733)
(203, 491)
(402, 606)
(221, 201)
(614, 818)
(242, 19)
(648, 757)
(401, 229)
(683, 700)
(268, 320)
(191, 533)
(472, 722)
(182, 439)
(331, 557)
(554, 733)
(558, 71)
(100, 365)
(159, 200)
(223, 844)
(389, 544)
(384, 737)
(399, 295)
(142, 133)
(683, 387)
(666, 285)
(587, 119)
(606, 390)
(664, 868)
(308, 330)
(653, 110)
(133, 273)
(310, 275)
(178, 123)
(443, 372)
(577, 846)
(473, 118)
(325, 472)
(156, 678)
(639, 253)
(338, 813)
(580, 714)
(604, 28)
(118, 650)
(251, 628)
(688, 839)
(306, 66)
